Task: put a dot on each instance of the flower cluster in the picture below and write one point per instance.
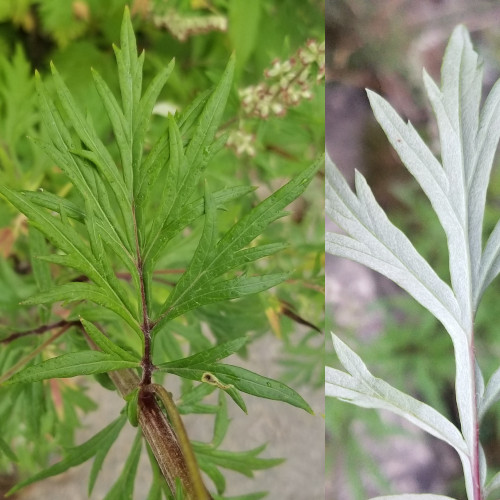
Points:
(183, 26)
(286, 83)
(241, 142)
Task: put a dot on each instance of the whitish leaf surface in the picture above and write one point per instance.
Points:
(360, 387)
(375, 242)
(456, 186)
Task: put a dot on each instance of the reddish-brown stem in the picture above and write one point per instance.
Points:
(158, 433)
(147, 364)
(39, 330)
(128, 277)
(33, 353)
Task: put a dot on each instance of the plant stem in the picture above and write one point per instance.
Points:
(34, 353)
(172, 450)
(476, 475)
(147, 364)
(159, 434)
(39, 330)
(184, 441)
(163, 443)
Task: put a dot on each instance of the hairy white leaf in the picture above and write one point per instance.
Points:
(360, 387)
(456, 185)
(375, 242)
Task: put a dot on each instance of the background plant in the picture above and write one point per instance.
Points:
(188, 328)
(467, 155)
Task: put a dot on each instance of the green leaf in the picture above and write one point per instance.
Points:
(41, 271)
(175, 166)
(132, 401)
(103, 449)
(7, 450)
(198, 286)
(243, 462)
(59, 233)
(195, 154)
(222, 421)
(120, 126)
(243, 29)
(97, 153)
(254, 223)
(106, 345)
(53, 202)
(78, 172)
(209, 355)
(64, 236)
(58, 19)
(71, 365)
(206, 126)
(219, 291)
(123, 489)
(214, 474)
(82, 291)
(196, 209)
(78, 455)
(236, 397)
(146, 105)
(241, 379)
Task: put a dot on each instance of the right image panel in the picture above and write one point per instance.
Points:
(412, 250)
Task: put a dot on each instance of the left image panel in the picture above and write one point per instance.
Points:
(162, 250)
